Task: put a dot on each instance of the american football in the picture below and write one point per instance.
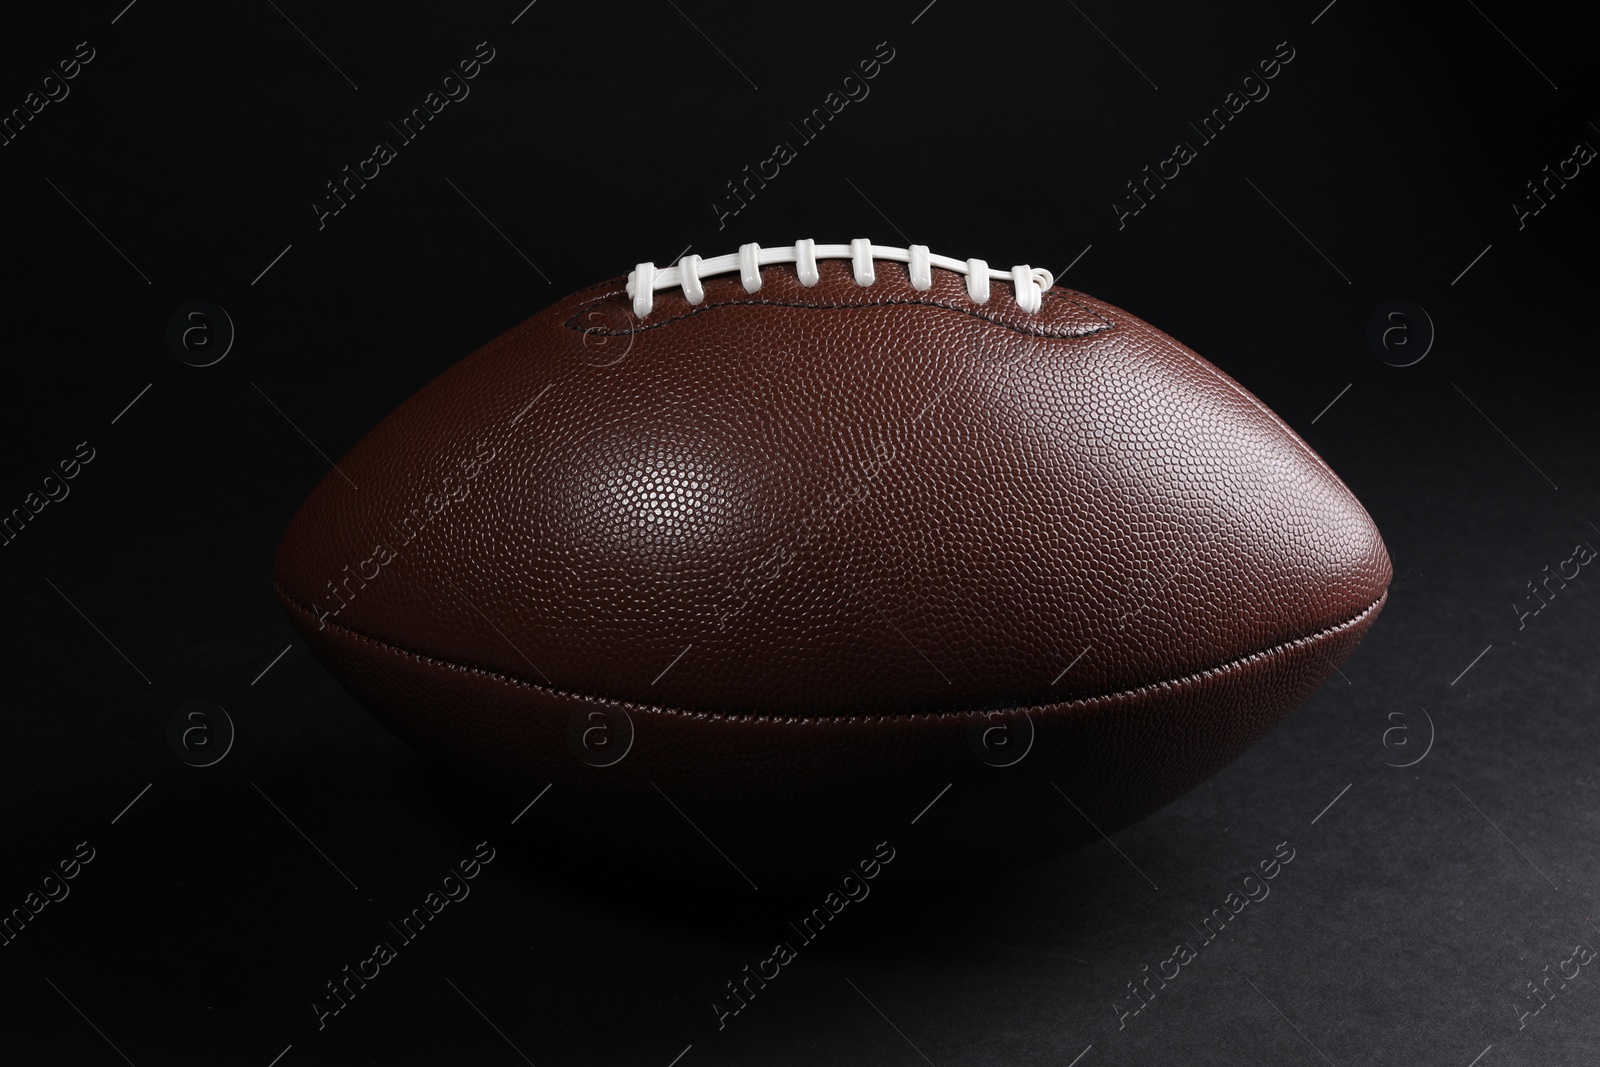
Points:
(754, 562)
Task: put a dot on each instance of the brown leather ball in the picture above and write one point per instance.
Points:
(763, 574)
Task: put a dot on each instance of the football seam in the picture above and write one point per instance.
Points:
(1105, 326)
(1073, 704)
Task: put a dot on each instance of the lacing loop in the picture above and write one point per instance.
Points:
(1028, 284)
(689, 278)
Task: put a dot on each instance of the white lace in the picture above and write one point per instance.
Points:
(644, 281)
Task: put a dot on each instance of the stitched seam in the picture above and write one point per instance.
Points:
(1105, 324)
(1246, 660)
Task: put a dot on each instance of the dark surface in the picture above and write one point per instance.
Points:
(1416, 908)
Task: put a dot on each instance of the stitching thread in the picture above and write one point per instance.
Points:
(801, 720)
(1105, 324)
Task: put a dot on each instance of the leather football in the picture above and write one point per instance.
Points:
(745, 566)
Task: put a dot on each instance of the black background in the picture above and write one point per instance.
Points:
(1385, 160)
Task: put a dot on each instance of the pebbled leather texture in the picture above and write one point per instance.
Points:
(805, 538)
